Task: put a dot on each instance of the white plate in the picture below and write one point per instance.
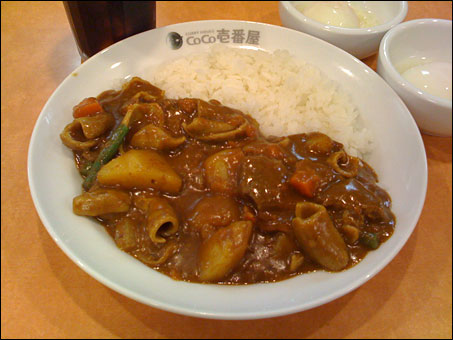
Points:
(399, 159)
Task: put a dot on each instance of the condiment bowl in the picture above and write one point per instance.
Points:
(407, 45)
(360, 42)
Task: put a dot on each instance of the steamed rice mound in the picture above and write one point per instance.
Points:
(284, 94)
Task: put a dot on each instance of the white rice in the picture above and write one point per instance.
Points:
(284, 94)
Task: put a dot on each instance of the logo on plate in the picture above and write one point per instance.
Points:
(224, 36)
(174, 40)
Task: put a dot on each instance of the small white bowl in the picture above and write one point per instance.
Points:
(411, 43)
(360, 42)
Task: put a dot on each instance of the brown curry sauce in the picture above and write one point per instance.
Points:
(258, 189)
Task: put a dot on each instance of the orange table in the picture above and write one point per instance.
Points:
(44, 294)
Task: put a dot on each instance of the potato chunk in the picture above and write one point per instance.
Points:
(221, 170)
(224, 250)
(140, 169)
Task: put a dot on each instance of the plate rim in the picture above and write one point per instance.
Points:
(184, 310)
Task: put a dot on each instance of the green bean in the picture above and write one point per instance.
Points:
(85, 168)
(106, 154)
(370, 240)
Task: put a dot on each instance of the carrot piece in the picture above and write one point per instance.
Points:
(305, 182)
(87, 107)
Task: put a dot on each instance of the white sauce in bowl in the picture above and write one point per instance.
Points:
(338, 13)
(434, 78)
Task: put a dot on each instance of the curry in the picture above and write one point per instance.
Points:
(192, 189)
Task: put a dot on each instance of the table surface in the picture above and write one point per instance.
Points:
(44, 294)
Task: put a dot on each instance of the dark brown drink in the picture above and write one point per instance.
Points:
(99, 24)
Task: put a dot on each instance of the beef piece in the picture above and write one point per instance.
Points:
(265, 181)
